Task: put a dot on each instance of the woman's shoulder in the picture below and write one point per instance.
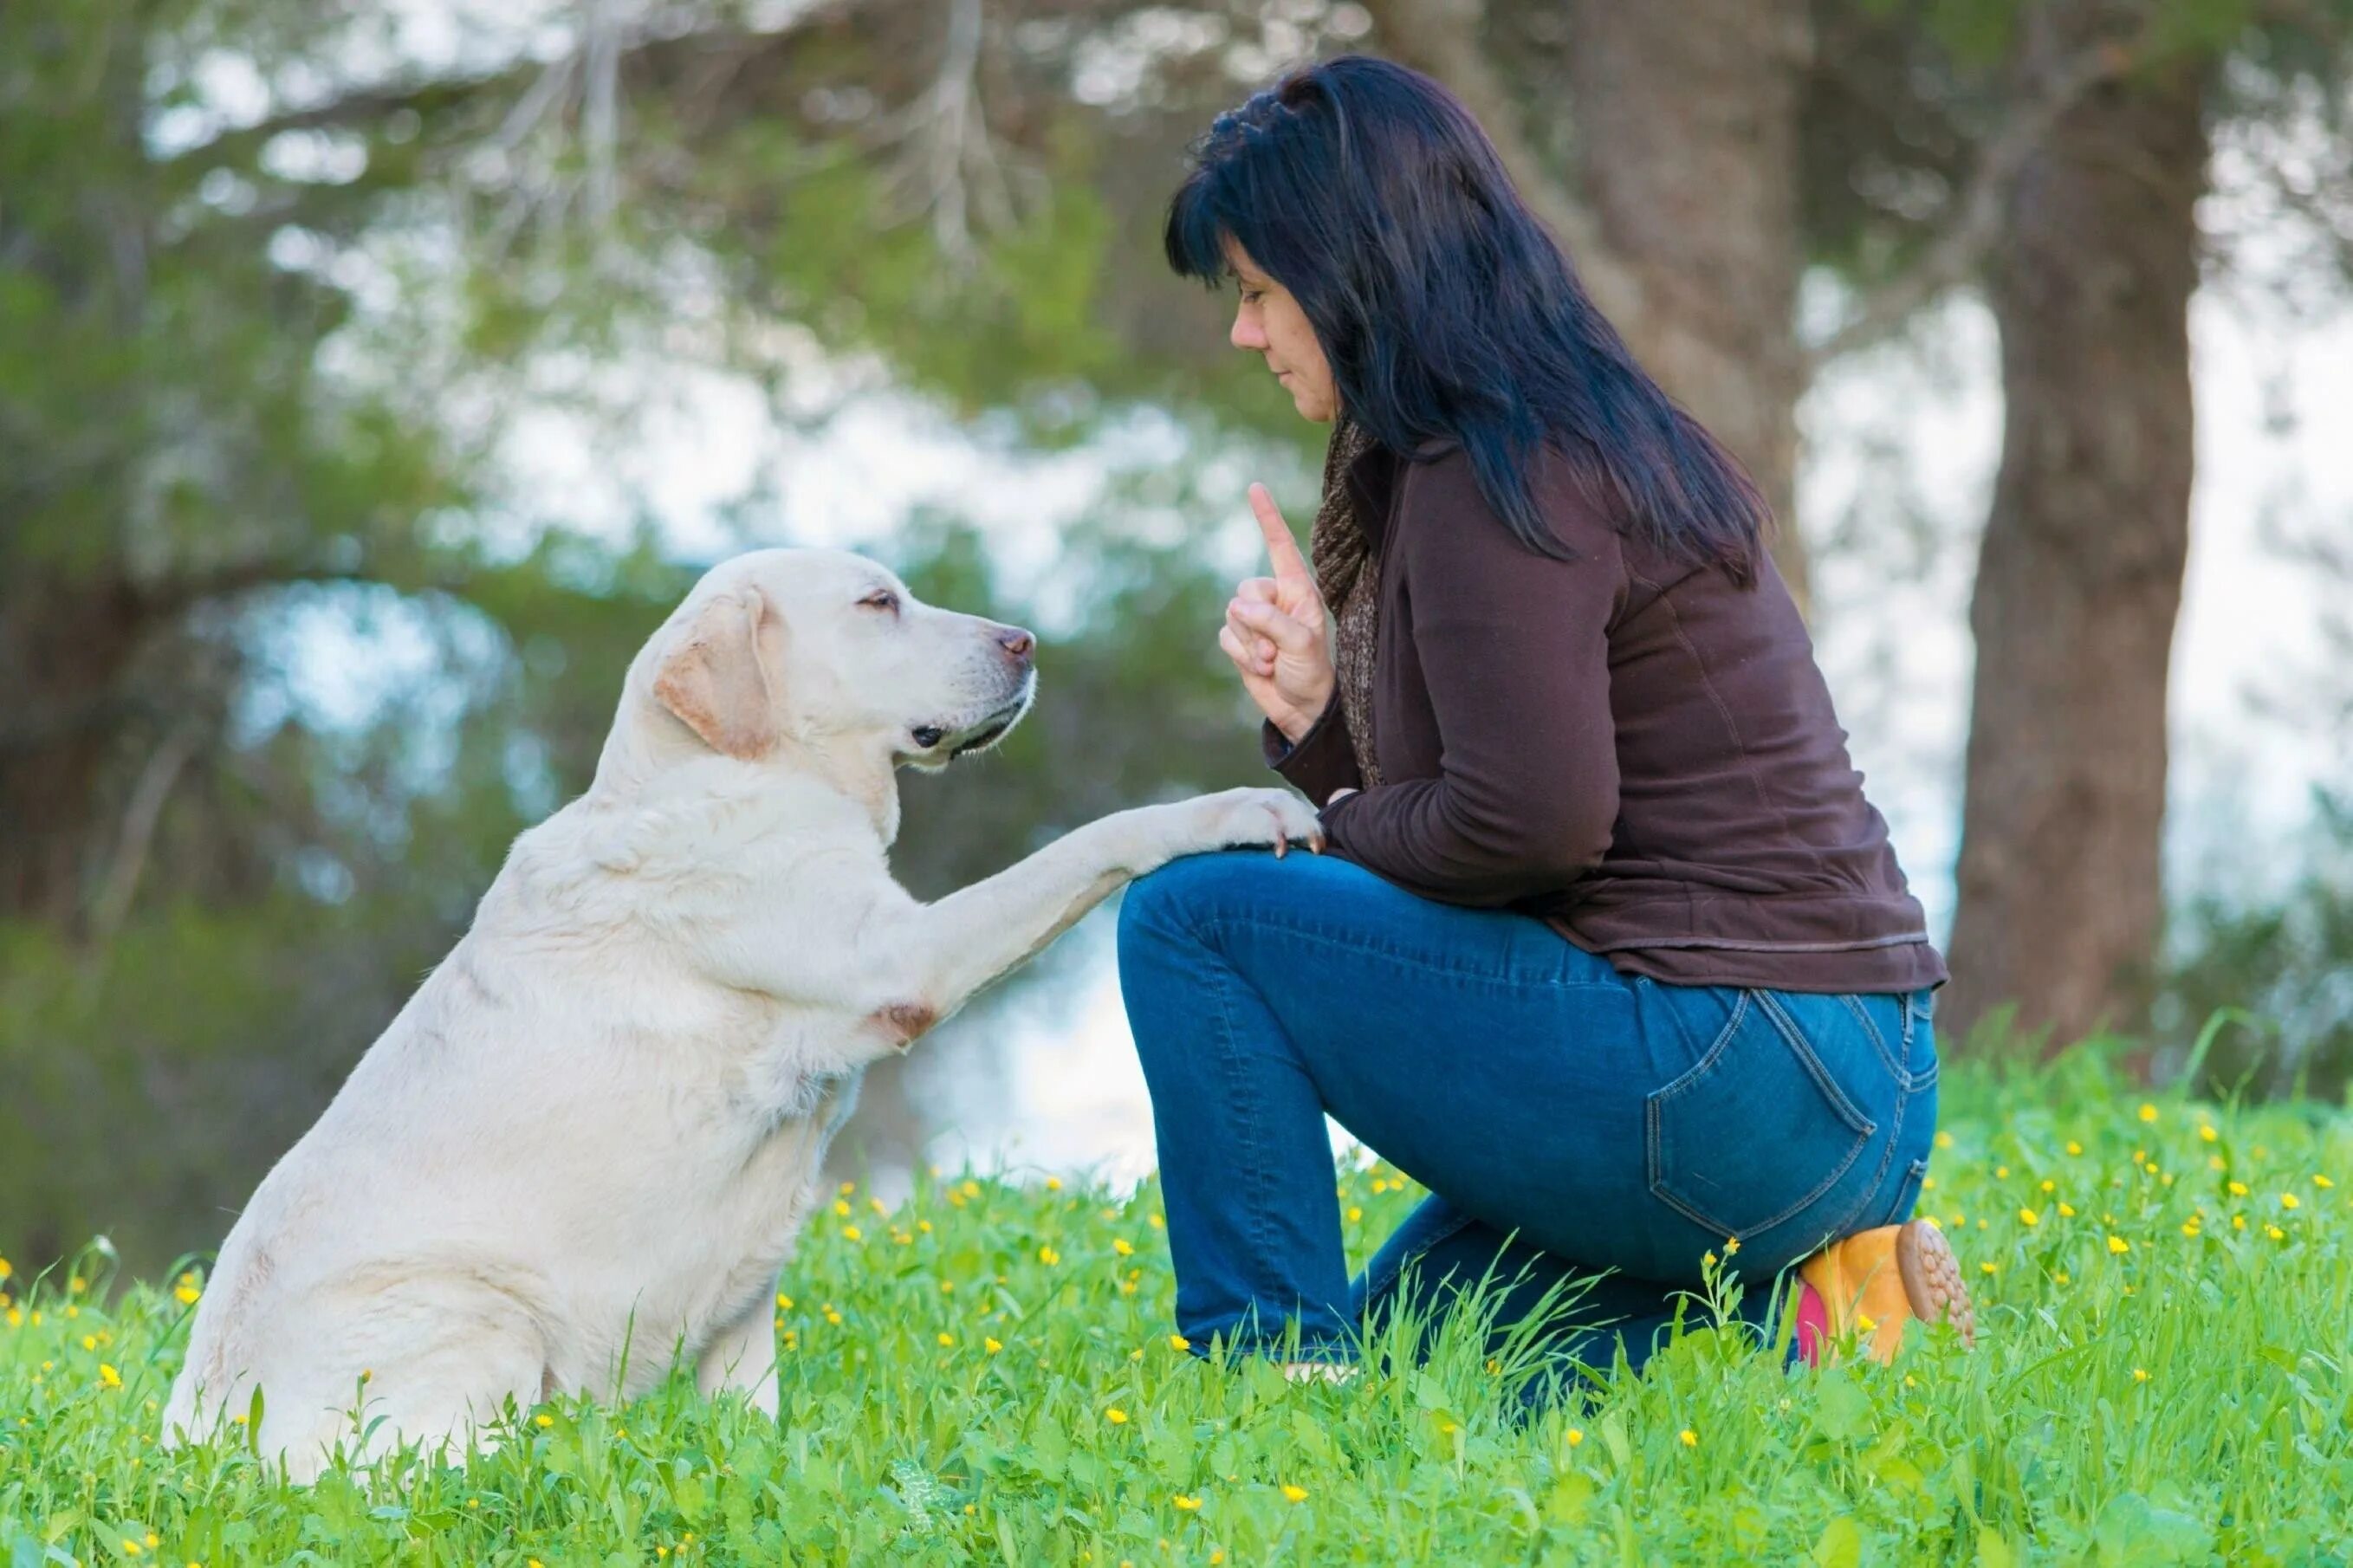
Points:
(1441, 491)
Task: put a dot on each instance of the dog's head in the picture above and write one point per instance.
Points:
(824, 648)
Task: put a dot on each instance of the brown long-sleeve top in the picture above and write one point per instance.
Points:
(1629, 747)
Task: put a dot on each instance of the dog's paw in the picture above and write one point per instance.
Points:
(1240, 818)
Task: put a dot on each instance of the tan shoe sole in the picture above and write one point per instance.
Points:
(1932, 1280)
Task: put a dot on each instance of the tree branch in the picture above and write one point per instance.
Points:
(1441, 37)
(1974, 222)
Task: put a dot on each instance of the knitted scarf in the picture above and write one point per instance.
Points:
(1348, 574)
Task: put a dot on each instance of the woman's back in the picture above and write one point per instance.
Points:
(1636, 747)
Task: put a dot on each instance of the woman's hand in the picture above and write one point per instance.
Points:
(1275, 631)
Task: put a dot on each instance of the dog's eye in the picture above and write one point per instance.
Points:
(881, 599)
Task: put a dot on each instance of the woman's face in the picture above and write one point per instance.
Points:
(1268, 321)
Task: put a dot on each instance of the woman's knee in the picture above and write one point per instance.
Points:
(1176, 901)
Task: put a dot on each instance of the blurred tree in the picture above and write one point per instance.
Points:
(2081, 564)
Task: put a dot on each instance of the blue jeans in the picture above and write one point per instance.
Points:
(1569, 1121)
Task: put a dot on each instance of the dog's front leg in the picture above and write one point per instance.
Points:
(742, 1356)
(941, 952)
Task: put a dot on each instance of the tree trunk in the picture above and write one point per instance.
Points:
(64, 650)
(1686, 122)
(2079, 576)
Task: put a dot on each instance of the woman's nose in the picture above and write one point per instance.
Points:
(1246, 333)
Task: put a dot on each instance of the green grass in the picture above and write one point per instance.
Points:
(2185, 1400)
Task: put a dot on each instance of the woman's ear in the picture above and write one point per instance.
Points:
(717, 678)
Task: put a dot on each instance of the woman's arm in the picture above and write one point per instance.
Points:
(1514, 651)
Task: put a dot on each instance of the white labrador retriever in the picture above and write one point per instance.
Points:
(586, 1143)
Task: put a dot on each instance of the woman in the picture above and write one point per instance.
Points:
(1608, 951)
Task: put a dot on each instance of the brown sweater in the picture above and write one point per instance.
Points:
(1627, 746)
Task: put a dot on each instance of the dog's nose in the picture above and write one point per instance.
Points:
(1018, 644)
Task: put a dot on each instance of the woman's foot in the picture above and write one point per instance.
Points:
(1875, 1282)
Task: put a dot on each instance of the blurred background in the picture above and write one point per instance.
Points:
(374, 377)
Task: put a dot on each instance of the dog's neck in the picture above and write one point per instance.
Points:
(865, 774)
(861, 770)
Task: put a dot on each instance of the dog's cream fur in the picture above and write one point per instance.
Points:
(586, 1143)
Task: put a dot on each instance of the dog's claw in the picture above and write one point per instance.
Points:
(1282, 843)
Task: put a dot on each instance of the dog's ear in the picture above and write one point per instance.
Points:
(716, 680)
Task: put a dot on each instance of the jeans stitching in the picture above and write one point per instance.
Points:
(1840, 1102)
(1353, 941)
(1230, 1059)
(1878, 1041)
(1841, 1106)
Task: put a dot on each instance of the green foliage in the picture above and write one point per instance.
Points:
(2278, 975)
(985, 1374)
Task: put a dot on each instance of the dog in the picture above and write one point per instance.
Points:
(585, 1145)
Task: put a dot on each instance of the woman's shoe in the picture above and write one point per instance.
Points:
(1876, 1281)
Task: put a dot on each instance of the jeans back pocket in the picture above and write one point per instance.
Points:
(1756, 1131)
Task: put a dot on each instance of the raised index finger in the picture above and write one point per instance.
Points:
(1280, 548)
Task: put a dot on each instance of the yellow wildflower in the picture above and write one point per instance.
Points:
(1296, 1494)
(1122, 1246)
(1574, 1436)
(7, 1268)
(129, 1547)
(1731, 1246)
(2066, 1211)
(1053, 1184)
(2117, 1244)
(2029, 1217)
(991, 1346)
(2140, 1374)
(848, 1188)
(1689, 1438)
(2237, 1189)
(2147, 1112)
(109, 1376)
(2050, 1186)
(2238, 1222)
(1049, 1256)
(544, 1421)
(2323, 1182)
(852, 1233)
(833, 1317)
(970, 1189)
(188, 1295)
(2289, 1200)
(1155, 1221)
(2001, 1172)
(783, 1301)
(1944, 1140)
(1355, 1214)
(1179, 1343)
(946, 1340)
(2060, 1277)
(2206, 1132)
(2276, 1233)
(1116, 1415)
(1190, 1504)
(2073, 1147)
(1989, 1267)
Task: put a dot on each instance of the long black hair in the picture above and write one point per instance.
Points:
(1443, 307)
